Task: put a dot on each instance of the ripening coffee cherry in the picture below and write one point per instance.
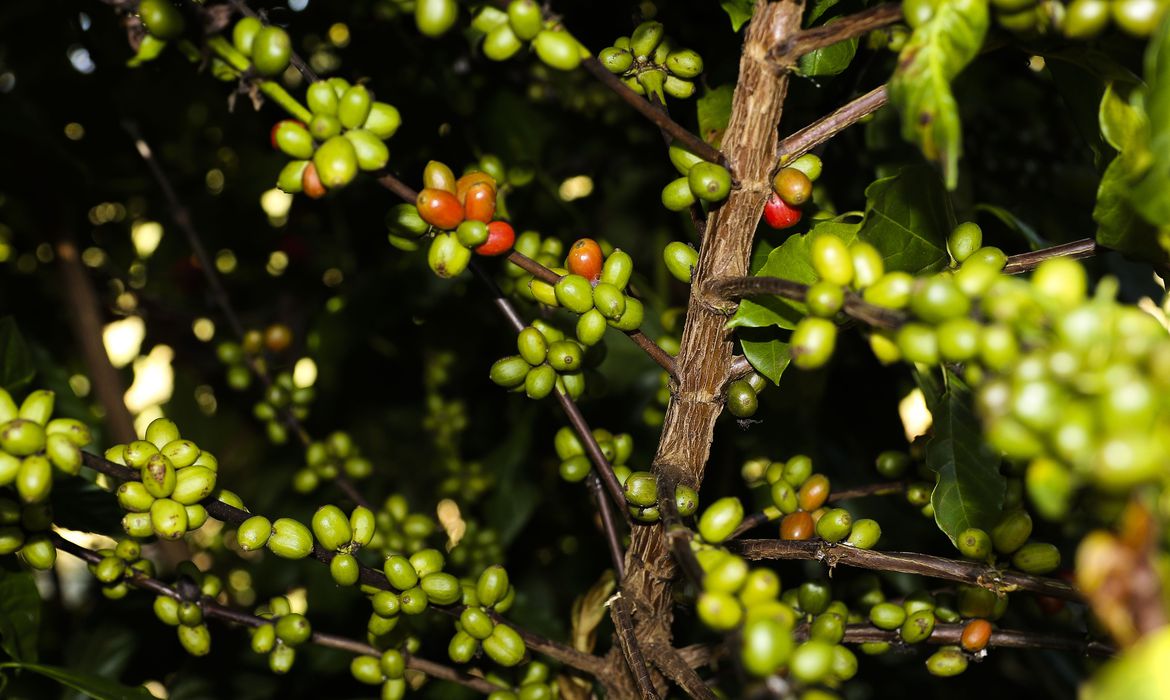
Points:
(976, 635)
(383, 120)
(792, 186)
(472, 233)
(720, 519)
(813, 341)
(865, 534)
(834, 525)
(678, 195)
(946, 662)
(741, 399)
(292, 138)
(439, 208)
(709, 182)
(558, 49)
(271, 51)
(797, 526)
(446, 257)
(290, 539)
(797, 470)
(501, 238)
(479, 202)
(435, 17)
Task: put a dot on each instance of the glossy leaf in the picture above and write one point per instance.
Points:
(94, 686)
(1151, 193)
(921, 86)
(792, 260)
(739, 11)
(907, 218)
(829, 60)
(768, 353)
(1119, 226)
(714, 109)
(970, 488)
(20, 614)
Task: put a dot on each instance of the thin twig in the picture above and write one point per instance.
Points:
(828, 126)
(1026, 262)
(182, 217)
(214, 610)
(675, 667)
(855, 306)
(663, 121)
(928, 565)
(631, 649)
(677, 535)
(945, 634)
(857, 24)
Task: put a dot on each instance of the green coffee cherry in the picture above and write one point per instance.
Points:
(509, 372)
(1085, 19)
(1012, 531)
(476, 622)
(887, 616)
(718, 610)
(631, 318)
(958, 339)
(138, 524)
(974, 543)
(492, 585)
(383, 120)
(435, 17)
(812, 661)
(720, 519)
(678, 195)
(832, 260)
(446, 257)
(868, 266)
(331, 527)
(565, 356)
(354, 107)
(540, 382)
(574, 293)
(501, 43)
(591, 326)
(834, 525)
(680, 260)
(161, 18)
(271, 51)
(948, 661)
(22, 437)
(399, 572)
(370, 151)
(825, 299)
(462, 647)
(684, 63)
(964, 240)
(253, 533)
(168, 518)
(646, 37)
(615, 60)
(504, 646)
(1037, 558)
(917, 627)
(558, 49)
(813, 341)
(918, 343)
(865, 534)
(441, 588)
(892, 290)
(321, 99)
(617, 269)
(336, 162)
(741, 399)
(290, 539)
(363, 524)
(709, 182)
(34, 479)
(525, 18)
(195, 640)
(609, 300)
(766, 647)
(63, 454)
(938, 299)
(37, 407)
(193, 484)
(686, 500)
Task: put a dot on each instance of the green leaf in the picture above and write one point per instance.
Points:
(20, 614)
(740, 11)
(907, 218)
(1119, 226)
(1122, 115)
(16, 367)
(1151, 193)
(970, 488)
(714, 109)
(791, 261)
(921, 85)
(1015, 223)
(1141, 673)
(829, 60)
(94, 686)
(768, 354)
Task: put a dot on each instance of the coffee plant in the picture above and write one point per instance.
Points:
(382, 349)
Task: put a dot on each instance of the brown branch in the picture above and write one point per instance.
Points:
(1025, 262)
(677, 668)
(677, 535)
(828, 126)
(643, 106)
(855, 307)
(967, 572)
(786, 53)
(214, 610)
(740, 368)
(944, 634)
(85, 318)
(631, 649)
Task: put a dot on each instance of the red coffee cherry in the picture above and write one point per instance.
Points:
(779, 214)
(311, 182)
(585, 259)
(480, 202)
(439, 208)
(501, 236)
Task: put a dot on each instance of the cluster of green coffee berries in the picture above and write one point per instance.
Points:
(283, 631)
(24, 529)
(478, 548)
(399, 529)
(284, 537)
(33, 444)
(915, 617)
(417, 581)
(1009, 538)
(547, 360)
(389, 671)
(575, 464)
(649, 63)
(701, 180)
(125, 559)
(163, 23)
(593, 284)
(743, 395)
(533, 683)
(346, 133)
(186, 615)
(506, 31)
(895, 464)
(344, 536)
(268, 48)
(175, 475)
(477, 628)
(327, 459)
(799, 500)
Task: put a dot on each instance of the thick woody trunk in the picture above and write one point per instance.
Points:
(750, 146)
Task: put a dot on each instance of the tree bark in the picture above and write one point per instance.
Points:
(751, 149)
